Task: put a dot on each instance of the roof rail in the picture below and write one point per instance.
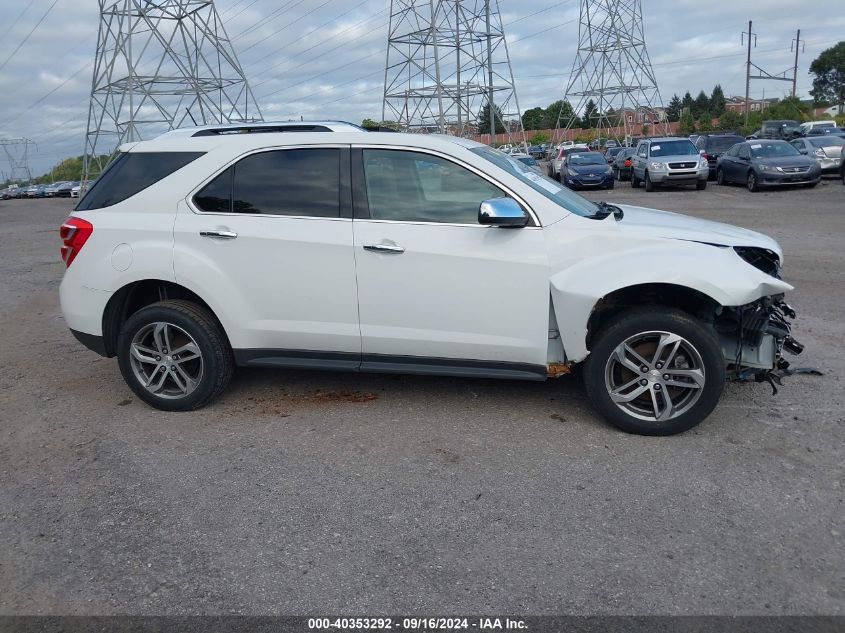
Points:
(254, 129)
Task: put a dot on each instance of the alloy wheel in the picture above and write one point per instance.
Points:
(166, 360)
(655, 376)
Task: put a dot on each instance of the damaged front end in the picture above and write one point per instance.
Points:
(755, 336)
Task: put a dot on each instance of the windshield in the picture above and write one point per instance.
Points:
(673, 148)
(543, 185)
(527, 160)
(772, 150)
(577, 160)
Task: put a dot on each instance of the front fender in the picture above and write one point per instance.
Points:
(579, 280)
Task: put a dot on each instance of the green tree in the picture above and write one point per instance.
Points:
(701, 105)
(788, 108)
(673, 110)
(829, 80)
(730, 120)
(686, 102)
(484, 119)
(591, 114)
(717, 100)
(369, 123)
(539, 138)
(687, 124)
(559, 108)
(534, 119)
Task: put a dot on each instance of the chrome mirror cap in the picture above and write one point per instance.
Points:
(502, 212)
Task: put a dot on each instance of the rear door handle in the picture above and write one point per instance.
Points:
(223, 235)
(384, 248)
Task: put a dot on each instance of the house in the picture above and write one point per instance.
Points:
(737, 104)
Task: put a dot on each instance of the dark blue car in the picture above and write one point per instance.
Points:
(586, 170)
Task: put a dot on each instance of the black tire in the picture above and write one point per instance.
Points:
(611, 185)
(216, 360)
(701, 185)
(649, 319)
(720, 178)
(649, 186)
(751, 181)
(635, 182)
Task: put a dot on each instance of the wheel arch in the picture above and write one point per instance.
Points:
(136, 295)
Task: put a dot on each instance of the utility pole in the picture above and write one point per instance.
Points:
(748, 73)
(490, 75)
(798, 47)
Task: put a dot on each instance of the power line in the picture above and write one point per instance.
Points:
(28, 35)
(17, 19)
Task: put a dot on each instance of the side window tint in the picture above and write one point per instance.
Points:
(643, 151)
(288, 182)
(415, 187)
(130, 173)
(216, 196)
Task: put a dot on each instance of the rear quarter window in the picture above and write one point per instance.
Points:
(131, 173)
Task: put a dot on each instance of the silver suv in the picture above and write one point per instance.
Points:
(668, 161)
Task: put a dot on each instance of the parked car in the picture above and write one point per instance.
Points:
(484, 268)
(825, 149)
(786, 129)
(74, 191)
(804, 128)
(63, 189)
(31, 191)
(586, 170)
(610, 154)
(764, 163)
(51, 189)
(525, 159)
(711, 146)
(557, 160)
(826, 131)
(622, 164)
(668, 161)
(535, 151)
(842, 165)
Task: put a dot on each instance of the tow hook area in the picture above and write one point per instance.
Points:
(761, 333)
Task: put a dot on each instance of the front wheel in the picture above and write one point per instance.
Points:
(700, 185)
(174, 355)
(635, 182)
(649, 185)
(655, 371)
(751, 182)
(720, 178)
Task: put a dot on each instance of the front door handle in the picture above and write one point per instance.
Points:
(224, 235)
(384, 248)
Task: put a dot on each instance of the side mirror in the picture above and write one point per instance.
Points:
(504, 212)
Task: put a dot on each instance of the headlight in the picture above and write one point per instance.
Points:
(766, 168)
(572, 172)
(657, 165)
(703, 163)
(820, 153)
(761, 258)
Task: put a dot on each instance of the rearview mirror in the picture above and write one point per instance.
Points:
(504, 212)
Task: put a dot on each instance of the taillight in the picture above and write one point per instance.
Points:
(74, 233)
(627, 162)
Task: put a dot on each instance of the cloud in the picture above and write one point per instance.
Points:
(314, 58)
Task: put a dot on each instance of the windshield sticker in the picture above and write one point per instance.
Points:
(655, 147)
(756, 145)
(551, 187)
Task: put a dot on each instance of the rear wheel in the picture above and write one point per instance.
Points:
(655, 371)
(174, 355)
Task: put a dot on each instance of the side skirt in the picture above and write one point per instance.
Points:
(378, 363)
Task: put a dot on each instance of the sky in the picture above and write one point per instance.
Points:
(322, 59)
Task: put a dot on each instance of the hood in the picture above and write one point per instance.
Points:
(653, 223)
(784, 161)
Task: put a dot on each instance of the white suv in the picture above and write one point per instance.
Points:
(323, 246)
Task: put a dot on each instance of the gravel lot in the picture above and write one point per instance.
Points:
(324, 492)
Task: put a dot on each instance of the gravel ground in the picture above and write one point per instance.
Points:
(325, 492)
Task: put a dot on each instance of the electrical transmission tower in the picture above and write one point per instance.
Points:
(448, 69)
(612, 70)
(161, 64)
(17, 153)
